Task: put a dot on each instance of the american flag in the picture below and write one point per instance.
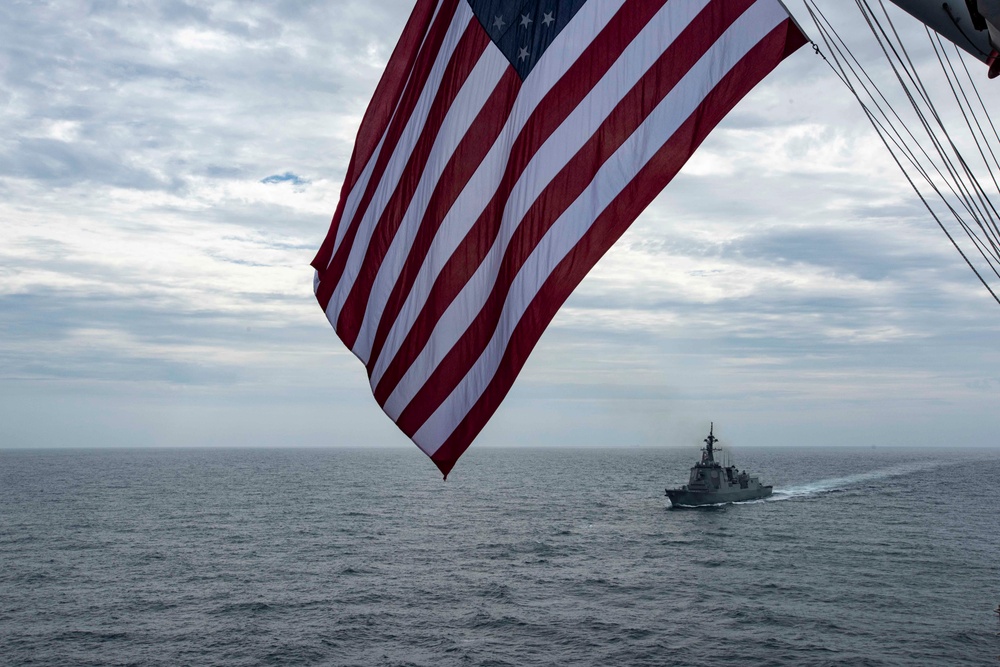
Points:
(508, 145)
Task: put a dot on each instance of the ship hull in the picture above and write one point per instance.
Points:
(684, 498)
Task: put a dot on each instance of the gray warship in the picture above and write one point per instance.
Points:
(711, 483)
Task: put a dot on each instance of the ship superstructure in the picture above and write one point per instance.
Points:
(712, 483)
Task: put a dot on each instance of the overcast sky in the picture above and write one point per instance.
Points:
(168, 169)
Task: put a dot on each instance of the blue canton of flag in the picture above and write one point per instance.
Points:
(524, 30)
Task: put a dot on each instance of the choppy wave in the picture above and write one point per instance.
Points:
(522, 559)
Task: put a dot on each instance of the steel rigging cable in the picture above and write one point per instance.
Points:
(941, 166)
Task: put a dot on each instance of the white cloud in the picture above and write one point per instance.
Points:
(146, 259)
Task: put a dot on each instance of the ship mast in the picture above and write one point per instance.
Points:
(709, 441)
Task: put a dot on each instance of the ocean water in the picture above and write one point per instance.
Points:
(523, 557)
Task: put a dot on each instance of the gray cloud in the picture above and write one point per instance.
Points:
(167, 170)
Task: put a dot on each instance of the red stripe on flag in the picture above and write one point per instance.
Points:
(554, 108)
(377, 115)
(470, 48)
(330, 275)
(463, 164)
(610, 225)
(686, 50)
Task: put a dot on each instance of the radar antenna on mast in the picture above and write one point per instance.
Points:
(709, 442)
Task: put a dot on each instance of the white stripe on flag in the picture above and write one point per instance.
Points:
(564, 143)
(481, 187)
(352, 201)
(361, 184)
(397, 162)
(481, 82)
(614, 175)
(585, 144)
